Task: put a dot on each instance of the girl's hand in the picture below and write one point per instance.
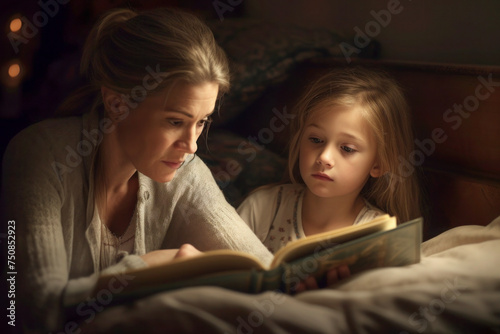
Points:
(162, 256)
(332, 276)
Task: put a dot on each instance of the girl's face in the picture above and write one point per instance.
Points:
(338, 152)
(162, 130)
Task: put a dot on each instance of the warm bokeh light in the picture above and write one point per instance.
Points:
(14, 70)
(15, 24)
(12, 73)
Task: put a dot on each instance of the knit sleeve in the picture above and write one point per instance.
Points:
(32, 196)
(203, 217)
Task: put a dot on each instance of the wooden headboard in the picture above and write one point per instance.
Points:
(456, 115)
(462, 173)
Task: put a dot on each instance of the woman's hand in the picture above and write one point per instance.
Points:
(187, 250)
(162, 256)
(332, 276)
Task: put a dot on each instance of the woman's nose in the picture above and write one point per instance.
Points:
(188, 142)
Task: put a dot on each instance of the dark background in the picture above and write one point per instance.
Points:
(446, 31)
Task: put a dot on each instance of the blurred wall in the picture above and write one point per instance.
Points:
(450, 31)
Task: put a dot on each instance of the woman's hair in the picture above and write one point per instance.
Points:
(138, 53)
(385, 108)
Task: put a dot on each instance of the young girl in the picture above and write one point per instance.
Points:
(351, 126)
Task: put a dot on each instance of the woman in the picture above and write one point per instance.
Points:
(119, 187)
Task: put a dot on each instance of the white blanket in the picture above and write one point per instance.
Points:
(454, 289)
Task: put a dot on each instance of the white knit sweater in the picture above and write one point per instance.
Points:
(58, 234)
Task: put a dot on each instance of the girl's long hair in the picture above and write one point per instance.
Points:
(384, 106)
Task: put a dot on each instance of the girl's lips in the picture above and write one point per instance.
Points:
(321, 176)
(172, 164)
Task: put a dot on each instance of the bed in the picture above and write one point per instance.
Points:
(456, 286)
(455, 289)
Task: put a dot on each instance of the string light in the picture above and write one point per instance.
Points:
(14, 70)
(12, 73)
(15, 24)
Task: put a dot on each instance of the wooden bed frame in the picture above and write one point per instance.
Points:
(456, 115)
(462, 175)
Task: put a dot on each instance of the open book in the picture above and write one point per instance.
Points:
(379, 243)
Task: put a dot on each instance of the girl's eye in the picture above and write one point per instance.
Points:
(315, 140)
(347, 149)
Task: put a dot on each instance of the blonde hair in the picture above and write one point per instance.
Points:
(385, 108)
(125, 46)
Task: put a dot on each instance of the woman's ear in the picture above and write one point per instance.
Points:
(115, 107)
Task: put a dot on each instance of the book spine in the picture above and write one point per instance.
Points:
(273, 280)
(255, 284)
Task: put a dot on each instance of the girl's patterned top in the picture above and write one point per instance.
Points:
(275, 214)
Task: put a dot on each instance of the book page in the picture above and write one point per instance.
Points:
(309, 245)
(397, 246)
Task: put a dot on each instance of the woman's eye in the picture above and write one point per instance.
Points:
(315, 140)
(205, 121)
(174, 122)
(347, 149)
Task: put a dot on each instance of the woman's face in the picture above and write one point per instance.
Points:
(158, 135)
